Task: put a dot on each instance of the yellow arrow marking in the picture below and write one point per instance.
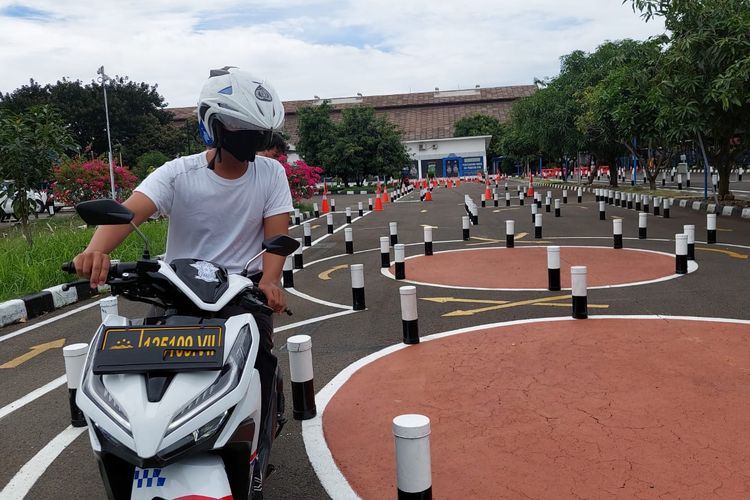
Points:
(316, 226)
(724, 230)
(326, 275)
(423, 211)
(584, 208)
(445, 300)
(521, 236)
(505, 210)
(735, 255)
(35, 351)
(505, 306)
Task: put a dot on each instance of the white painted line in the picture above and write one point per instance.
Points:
(47, 321)
(24, 480)
(331, 477)
(33, 395)
(316, 300)
(365, 214)
(692, 267)
(313, 320)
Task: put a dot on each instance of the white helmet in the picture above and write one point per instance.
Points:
(239, 101)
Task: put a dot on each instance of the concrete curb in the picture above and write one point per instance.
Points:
(702, 206)
(46, 301)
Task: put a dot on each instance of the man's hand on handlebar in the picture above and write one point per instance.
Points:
(94, 266)
(274, 295)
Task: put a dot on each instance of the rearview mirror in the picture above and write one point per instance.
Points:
(281, 245)
(103, 213)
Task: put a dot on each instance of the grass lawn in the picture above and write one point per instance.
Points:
(25, 269)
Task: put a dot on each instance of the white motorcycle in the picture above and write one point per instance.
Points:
(173, 402)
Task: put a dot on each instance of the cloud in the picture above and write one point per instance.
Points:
(328, 47)
(23, 12)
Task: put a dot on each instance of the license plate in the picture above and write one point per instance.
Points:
(142, 349)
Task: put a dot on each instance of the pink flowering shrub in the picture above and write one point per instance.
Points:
(79, 179)
(302, 178)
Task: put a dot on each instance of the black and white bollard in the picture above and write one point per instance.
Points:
(297, 217)
(643, 225)
(474, 214)
(385, 252)
(689, 230)
(333, 205)
(307, 231)
(316, 210)
(510, 233)
(687, 179)
(630, 201)
(348, 240)
(534, 211)
(298, 255)
(679, 182)
(520, 199)
(680, 252)
(483, 201)
(580, 195)
(358, 286)
(369, 204)
(360, 209)
(579, 292)
(507, 199)
(711, 229)
(557, 208)
(399, 252)
(553, 268)
(348, 215)
(611, 196)
(538, 226)
(637, 202)
(496, 199)
(75, 357)
(287, 273)
(548, 205)
(657, 205)
(565, 197)
(301, 373)
(409, 314)
(602, 211)
(645, 200)
(665, 208)
(538, 199)
(107, 306)
(617, 232)
(329, 222)
(465, 224)
(428, 240)
(393, 231)
(413, 466)
(617, 199)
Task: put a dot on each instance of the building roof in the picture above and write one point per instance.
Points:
(419, 115)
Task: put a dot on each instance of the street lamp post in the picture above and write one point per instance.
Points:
(103, 79)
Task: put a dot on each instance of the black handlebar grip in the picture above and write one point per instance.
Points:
(67, 286)
(69, 267)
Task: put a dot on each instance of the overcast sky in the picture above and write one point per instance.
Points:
(329, 48)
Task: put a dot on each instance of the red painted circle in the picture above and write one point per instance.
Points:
(591, 409)
(526, 267)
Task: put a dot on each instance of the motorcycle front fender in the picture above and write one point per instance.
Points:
(199, 476)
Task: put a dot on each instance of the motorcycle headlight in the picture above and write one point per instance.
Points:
(227, 381)
(93, 387)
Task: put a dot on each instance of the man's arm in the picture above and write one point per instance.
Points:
(93, 263)
(273, 264)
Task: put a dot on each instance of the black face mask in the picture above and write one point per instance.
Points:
(243, 144)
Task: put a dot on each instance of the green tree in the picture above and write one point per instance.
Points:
(30, 143)
(148, 162)
(707, 68)
(316, 133)
(482, 125)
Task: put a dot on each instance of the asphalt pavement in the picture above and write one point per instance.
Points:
(717, 289)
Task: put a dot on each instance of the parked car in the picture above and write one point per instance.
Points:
(42, 200)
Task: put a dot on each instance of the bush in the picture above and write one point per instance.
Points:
(78, 180)
(302, 178)
(148, 162)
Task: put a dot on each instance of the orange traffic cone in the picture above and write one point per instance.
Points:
(530, 192)
(487, 192)
(386, 199)
(428, 195)
(458, 182)
(378, 203)
(326, 207)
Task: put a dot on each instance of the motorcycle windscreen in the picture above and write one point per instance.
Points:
(200, 476)
(139, 349)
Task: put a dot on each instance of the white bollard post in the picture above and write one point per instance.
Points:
(602, 213)
(316, 210)
(385, 252)
(428, 240)
(665, 207)
(617, 232)
(465, 225)
(301, 373)
(520, 199)
(75, 357)
(296, 217)
(333, 205)
(534, 211)
(538, 226)
(689, 230)
(711, 229)
(288, 272)
(413, 466)
(645, 200)
(510, 233)
(308, 234)
(680, 251)
(565, 196)
(557, 208)
(393, 231)
(107, 306)
(507, 199)
(553, 268)
(409, 318)
(579, 292)
(580, 195)
(360, 209)
(642, 225)
(369, 204)
(298, 255)
(348, 215)
(398, 256)
(358, 286)
(329, 222)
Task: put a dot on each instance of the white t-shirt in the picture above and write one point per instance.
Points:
(213, 218)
